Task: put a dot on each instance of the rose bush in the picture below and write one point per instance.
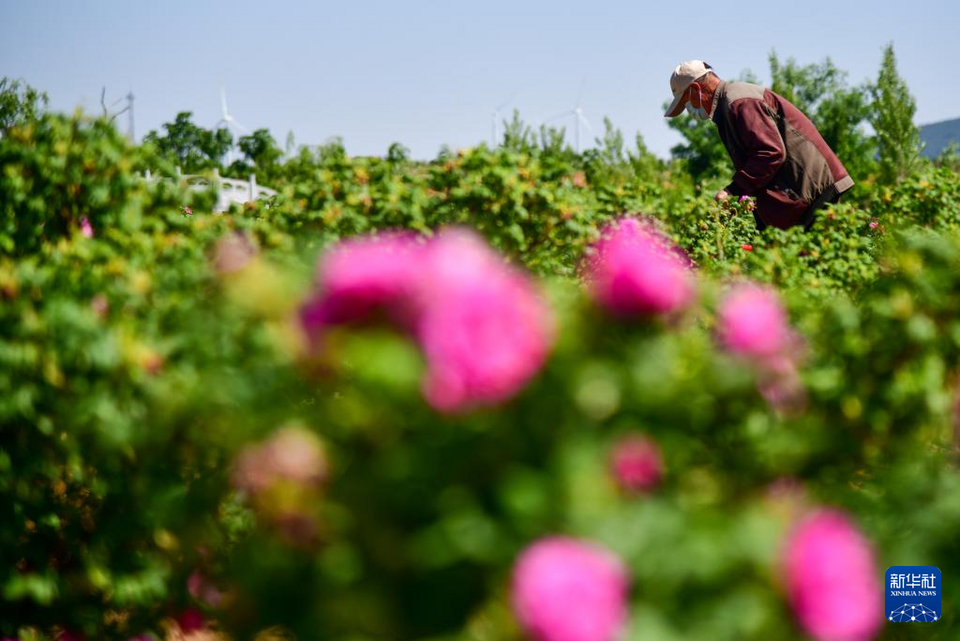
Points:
(252, 420)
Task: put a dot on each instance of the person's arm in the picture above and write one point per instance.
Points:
(763, 145)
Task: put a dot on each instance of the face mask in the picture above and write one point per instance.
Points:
(697, 112)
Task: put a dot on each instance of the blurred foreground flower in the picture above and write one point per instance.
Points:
(202, 589)
(482, 325)
(832, 580)
(484, 329)
(753, 323)
(282, 478)
(292, 454)
(567, 590)
(635, 270)
(636, 463)
(233, 252)
(100, 305)
(86, 228)
(364, 275)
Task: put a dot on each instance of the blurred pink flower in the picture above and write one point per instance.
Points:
(86, 228)
(291, 454)
(831, 579)
(635, 270)
(187, 210)
(779, 383)
(636, 463)
(100, 305)
(233, 252)
(752, 322)
(874, 224)
(567, 590)
(202, 589)
(362, 275)
(743, 198)
(483, 327)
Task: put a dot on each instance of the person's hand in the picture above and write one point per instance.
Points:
(722, 195)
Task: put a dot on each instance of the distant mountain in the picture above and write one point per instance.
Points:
(938, 135)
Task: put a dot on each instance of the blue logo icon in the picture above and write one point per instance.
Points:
(913, 594)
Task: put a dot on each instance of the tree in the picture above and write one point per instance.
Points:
(611, 162)
(518, 136)
(260, 149)
(193, 148)
(898, 138)
(702, 153)
(397, 154)
(19, 103)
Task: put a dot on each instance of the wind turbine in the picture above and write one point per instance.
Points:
(227, 119)
(578, 118)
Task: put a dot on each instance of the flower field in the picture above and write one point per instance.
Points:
(511, 393)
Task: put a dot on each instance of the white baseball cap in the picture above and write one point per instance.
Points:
(683, 76)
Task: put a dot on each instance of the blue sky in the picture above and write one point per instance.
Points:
(425, 73)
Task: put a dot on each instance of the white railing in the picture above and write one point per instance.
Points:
(229, 190)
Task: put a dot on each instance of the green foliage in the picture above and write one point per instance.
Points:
(898, 138)
(189, 146)
(135, 367)
(19, 103)
(261, 156)
(58, 171)
(702, 151)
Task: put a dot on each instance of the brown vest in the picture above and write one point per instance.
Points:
(779, 156)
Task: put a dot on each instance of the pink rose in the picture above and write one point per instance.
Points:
(634, 270)
(233, 252)
(292, 454)
(202, 589)
(360, 276)
(484, 328)
(752, 322)
(636, 463)
(100, 305)
(832, 580)
(568, 590)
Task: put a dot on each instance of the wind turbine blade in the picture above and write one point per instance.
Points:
(236, 124)
(584, 120)
(580, 93)
(223, 100)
